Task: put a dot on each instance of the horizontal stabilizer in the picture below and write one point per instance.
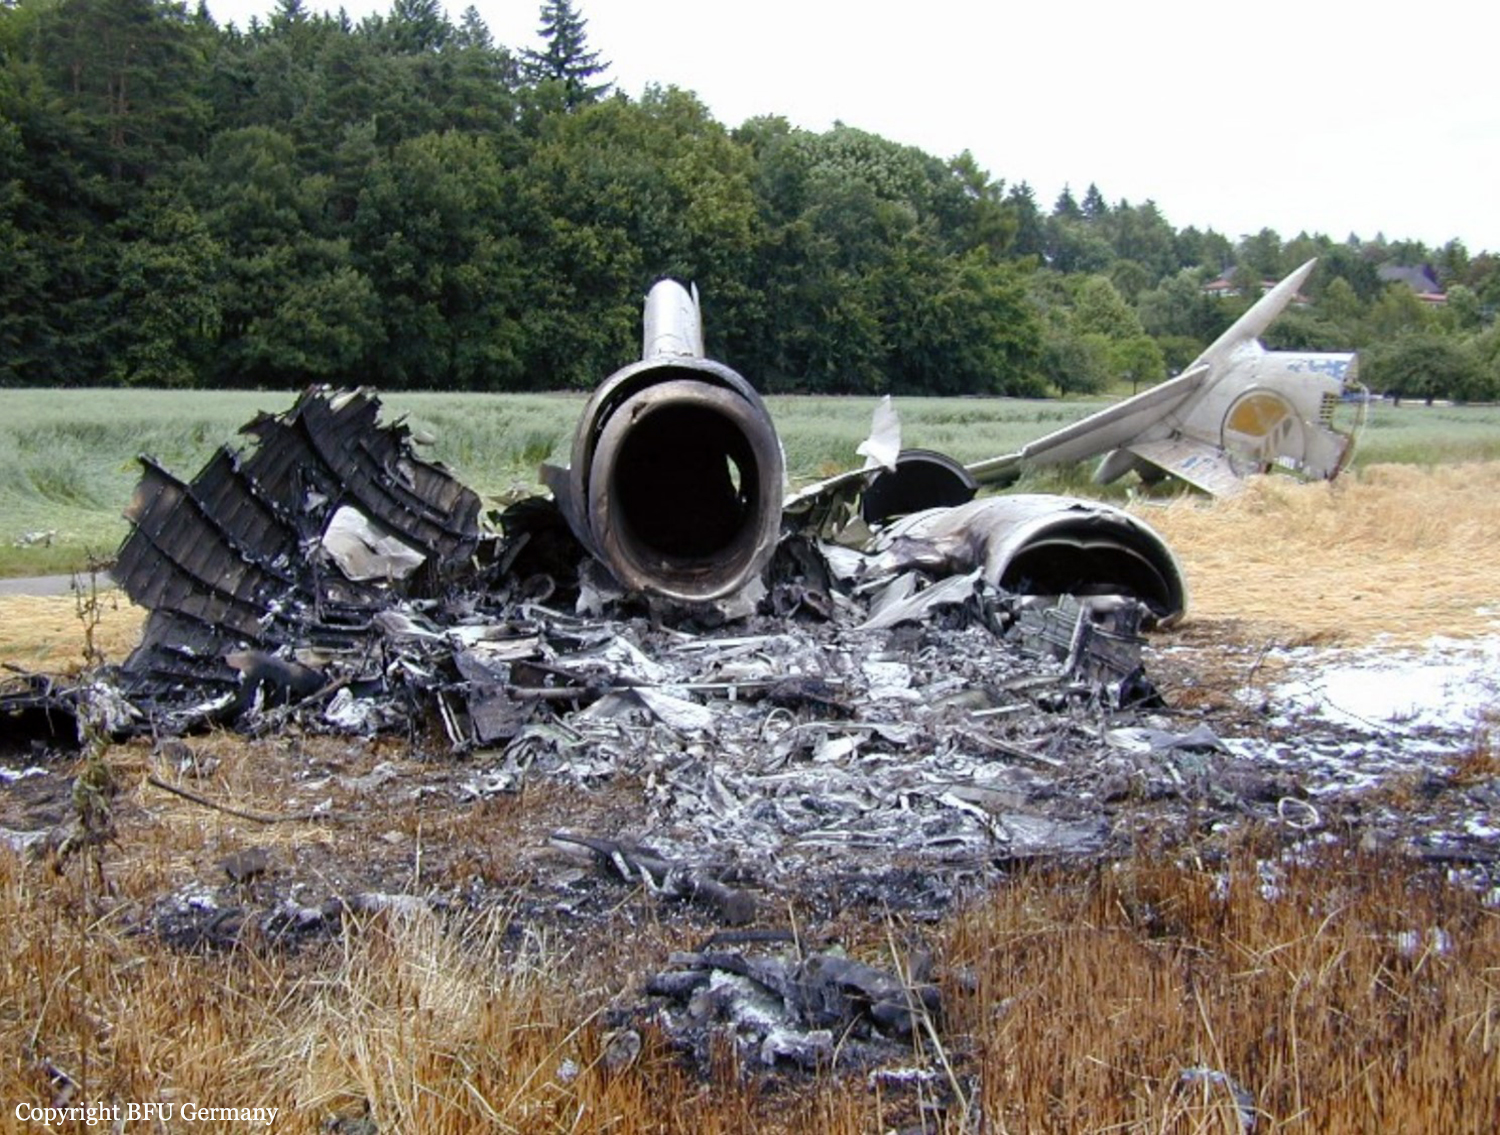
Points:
(1201, 465)
(1111, 427)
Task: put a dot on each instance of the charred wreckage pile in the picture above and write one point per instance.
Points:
(795, 674)
(882, 669)
(883, 663)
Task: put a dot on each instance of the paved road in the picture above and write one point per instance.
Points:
(43, 585)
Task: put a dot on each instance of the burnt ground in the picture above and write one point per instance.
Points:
(824, 813)
(716, 865)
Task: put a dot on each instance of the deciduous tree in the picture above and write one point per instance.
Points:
(1420, 365)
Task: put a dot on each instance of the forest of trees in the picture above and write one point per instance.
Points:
(405, 202)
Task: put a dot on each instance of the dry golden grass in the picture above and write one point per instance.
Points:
(1397, 553)
(1331, 1004)
(1074, 1004)
(425, 1023)
(46, 635)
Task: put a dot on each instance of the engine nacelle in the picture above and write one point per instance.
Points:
(677, 474)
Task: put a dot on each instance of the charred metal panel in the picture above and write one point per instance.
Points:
(1031, 544)
(182, 553)
(234, 560)
(1097, 641)
(176, 651)
(257, 527)
(330, 446)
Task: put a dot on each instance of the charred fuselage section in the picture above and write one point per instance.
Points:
(286, 552)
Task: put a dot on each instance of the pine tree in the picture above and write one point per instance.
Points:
(473, 32)
(417, 26)
(567, 60)
(1030, 239)
(1066, 206)
(1094, 205)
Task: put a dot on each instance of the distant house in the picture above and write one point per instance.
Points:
(1226, 286)
(1422, 280)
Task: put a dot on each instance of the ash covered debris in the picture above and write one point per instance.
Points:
(936, 695)
(869, 705)
(778, 690)
(932, 696)
(328, 574)
(808, 1010)
(662, 876)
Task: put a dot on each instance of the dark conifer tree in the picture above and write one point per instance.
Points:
(566, 60)
(1031, 237)
(417, 26)
(1094, 205)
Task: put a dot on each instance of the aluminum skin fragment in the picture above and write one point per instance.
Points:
(1037, 544)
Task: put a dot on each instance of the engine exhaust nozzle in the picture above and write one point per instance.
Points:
(677, 474)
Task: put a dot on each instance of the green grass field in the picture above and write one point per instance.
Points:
(67, 457)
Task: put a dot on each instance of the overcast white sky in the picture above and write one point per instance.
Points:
(1289, 114)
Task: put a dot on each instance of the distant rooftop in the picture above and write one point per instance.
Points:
(1419, 278)
(1227, 286)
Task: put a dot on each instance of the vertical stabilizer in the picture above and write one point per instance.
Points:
(1252, 325)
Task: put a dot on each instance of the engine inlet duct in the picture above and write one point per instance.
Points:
(677, 474)
(1037, 544)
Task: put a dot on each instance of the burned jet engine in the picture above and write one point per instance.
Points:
(1040, 544)
(676, 476)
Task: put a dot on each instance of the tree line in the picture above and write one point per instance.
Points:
(404, 202)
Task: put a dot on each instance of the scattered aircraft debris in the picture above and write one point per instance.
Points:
(662, 876)
(819, 1010)
(271, 566)
(330, 572)
(879, 692)
(902, 682)
(1238, 409)
(1031, 544)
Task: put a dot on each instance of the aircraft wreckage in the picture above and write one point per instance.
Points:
(329, 573)
(1238, 409)
(878, 692)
